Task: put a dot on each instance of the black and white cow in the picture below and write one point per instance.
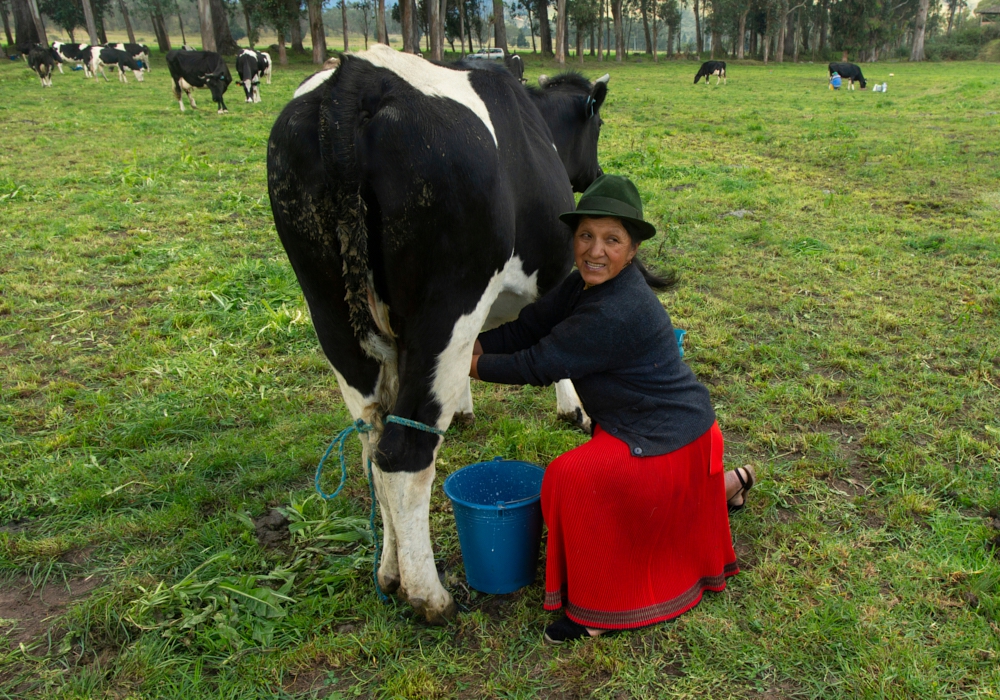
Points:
(101, 56)
(250, 67)
(139, 52)
(710, 68)
(849, 72)
(516, 66)
(71, 53)
(267, 64)
(198, 69)
(418, 204)
(41, 60)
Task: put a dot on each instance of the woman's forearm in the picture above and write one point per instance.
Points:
(474, 370)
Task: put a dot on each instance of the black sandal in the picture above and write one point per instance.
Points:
(566, 630)
(745, 486)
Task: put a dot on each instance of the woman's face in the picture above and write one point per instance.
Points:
(602, 248)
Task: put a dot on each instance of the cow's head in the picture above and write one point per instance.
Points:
(863, 83)
(571, 106)
(218, 83)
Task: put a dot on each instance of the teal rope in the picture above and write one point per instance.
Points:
(359, 426)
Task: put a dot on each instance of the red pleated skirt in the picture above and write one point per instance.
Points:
(635, 540)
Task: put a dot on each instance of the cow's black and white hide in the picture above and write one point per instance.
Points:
(198, 69)
(250, 67)
(101, 56)
(710, 68)
(264, 59)
(849, 72)
(418, 204)
(516, 66)
(71, 53)
(139, 52)
(40, 60)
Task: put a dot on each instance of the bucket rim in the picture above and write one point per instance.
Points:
(519, 503)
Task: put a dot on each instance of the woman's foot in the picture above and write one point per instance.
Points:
(738, 483)
(566, 630)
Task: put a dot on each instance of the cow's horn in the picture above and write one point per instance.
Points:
(603, 79)
(543, 80)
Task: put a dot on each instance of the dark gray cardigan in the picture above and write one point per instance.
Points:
(616, 342)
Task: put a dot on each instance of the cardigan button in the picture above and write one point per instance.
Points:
(614, 431)
(637, 450)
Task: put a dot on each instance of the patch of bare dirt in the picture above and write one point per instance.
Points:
(746, 557)
(27, 614)
(78, 556)
(271, 529)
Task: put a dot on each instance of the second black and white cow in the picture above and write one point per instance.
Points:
(710, 68)
(198, 69)
(418, 204)
(849, 72)
(250, 66)
(41, 60)
(72, 53)
(139, 52)
(516, 67)
(101, 56)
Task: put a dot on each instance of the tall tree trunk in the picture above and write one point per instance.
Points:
(917, 53)
(656, 38)
(128, 21)
(560, 32)
(246, 17)
(295, 27)
(88, 17)
(406, 22)
(180, 23)
(205, 19)
(822, 28)
(224, 42)
(383, 34)
(797, 36)
(159, 28)
(461, 24)
(36, 17)
(600, 34)
(317, 33)
(499, 27)
(544, 30)
(616, 13)
(645, 26)
(434, 29)
(699, 41)
(743, 35)
(951, 15)
(282, 52)
(6, 25)
(579, 43)
(779, 52)
(343, 21)
(767, 47)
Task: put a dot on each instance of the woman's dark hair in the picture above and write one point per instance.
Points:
(658, 280)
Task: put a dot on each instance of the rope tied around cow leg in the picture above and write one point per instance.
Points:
(359, 426)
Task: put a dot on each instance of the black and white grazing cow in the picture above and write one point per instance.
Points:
(103, 56)
(139, 52)
(198, 69)
(266, 63)
(41, 60)
(250, 67)
(418, 204)
(848, 72)
(516, 66)
(71, 53)
(710, 68)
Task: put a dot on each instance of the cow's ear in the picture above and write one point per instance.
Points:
(598, 92)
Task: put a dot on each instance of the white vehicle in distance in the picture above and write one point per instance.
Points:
(488, 54)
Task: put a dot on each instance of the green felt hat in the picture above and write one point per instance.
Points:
(615, 196)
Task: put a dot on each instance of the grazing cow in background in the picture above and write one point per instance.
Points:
(264, 58)
(250, 67)
(71, 53)
(101, 56)
(198, 69)
(516, 67)
(710, 68)
(139, 52)
(40, 60)
(418, 204)
(849, 72)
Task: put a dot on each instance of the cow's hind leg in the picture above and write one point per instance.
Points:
(569, 407)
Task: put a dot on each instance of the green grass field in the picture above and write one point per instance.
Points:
(162, 389)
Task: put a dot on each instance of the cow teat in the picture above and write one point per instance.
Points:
(543, 81)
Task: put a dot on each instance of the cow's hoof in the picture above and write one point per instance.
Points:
(579, 419)
(435, 616)
(388, 584)
(464, 418)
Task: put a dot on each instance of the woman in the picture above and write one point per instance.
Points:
(637, 517)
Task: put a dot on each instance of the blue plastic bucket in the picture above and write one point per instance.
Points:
(499, 521)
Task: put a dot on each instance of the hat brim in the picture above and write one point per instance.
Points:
(643, 230)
